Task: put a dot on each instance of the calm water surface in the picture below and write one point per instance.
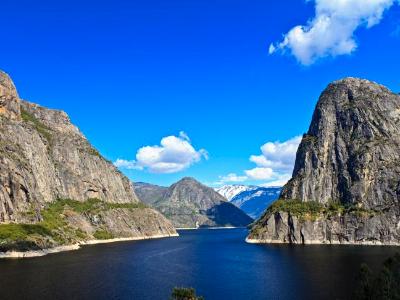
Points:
(218, 263)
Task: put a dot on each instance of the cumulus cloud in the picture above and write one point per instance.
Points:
(230, 178)
(260, 173)
(274, 165)
(174, 154)
(331, 31)
(278, 156)
(127, 164)
(280, 180)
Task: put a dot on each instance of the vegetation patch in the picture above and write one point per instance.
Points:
(308, 138)
(42, 129)
(125, 205)
(54, 228)
(311, 210)
(185, 294)
(304, 210)
(379, 285)
(103, 235)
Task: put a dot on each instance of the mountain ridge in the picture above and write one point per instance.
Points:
(190, 204)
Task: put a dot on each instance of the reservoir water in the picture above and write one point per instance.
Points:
(217, 263)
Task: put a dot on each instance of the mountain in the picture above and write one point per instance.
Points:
(230, 191)
(255, 201)
(149, 193)
(189, 204)
(346, 180)
(55, 187)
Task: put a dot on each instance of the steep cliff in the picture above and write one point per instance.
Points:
(346, 178)
(188, 203)
(43, 159)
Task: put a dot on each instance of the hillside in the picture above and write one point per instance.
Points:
(149, 193)
(56, 188)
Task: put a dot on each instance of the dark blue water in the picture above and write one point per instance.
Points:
(218, 263)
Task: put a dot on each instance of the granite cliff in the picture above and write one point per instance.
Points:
(345, 187)
(190, 204)
(55, 188)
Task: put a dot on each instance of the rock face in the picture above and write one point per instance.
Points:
(9, 104)
(350, 157)
(190, 204)
(43, 157)
(149, 193)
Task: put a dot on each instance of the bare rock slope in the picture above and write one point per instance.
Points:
(346, 181)
(44, 159)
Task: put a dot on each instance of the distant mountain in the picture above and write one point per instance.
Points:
(256, 200)
(189, 204)
(230, 191)
(149, 193)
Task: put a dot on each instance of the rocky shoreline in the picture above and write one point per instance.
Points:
(43, 252)
(317, 242)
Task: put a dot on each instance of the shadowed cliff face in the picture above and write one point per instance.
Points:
(43, 158)
(351, 157)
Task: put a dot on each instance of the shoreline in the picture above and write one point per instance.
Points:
(316, 242)
(208, 228)
(74, 247)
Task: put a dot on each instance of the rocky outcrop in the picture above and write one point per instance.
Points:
(190, 204)
(44, 157)
(9, 102)
(349, 158)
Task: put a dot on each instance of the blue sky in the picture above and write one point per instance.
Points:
(130, 73)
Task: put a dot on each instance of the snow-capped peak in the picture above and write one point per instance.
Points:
(230, 191)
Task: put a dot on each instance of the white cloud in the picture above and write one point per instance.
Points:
(276, 162)
(230, 178)
(127, 164)
(174, 154)
(278, 156)
(331, 31)
(279, 181)
(274, 165)
(260, 173)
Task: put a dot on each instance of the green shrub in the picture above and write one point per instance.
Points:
(334, 209)
(382, 285)
(310, 210)
(14, 232)
(125, 205)
(185, 294)
(103, 235)
(300, 209)
(21, 237)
